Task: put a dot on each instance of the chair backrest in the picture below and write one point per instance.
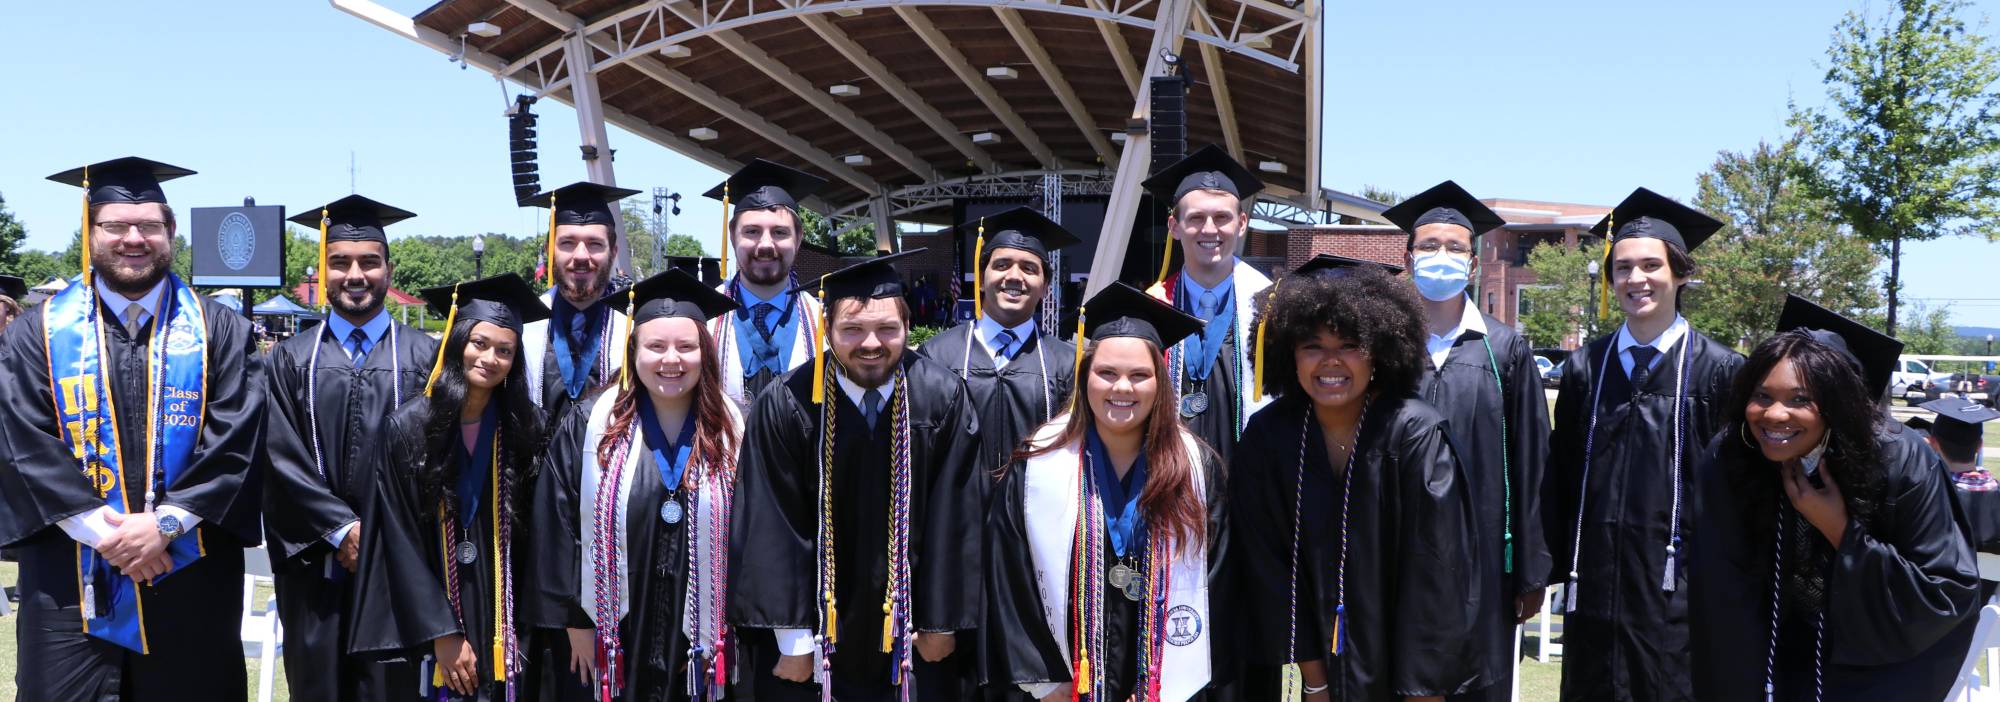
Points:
(257, 562)
(1983, 637)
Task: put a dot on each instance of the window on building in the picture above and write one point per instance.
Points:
(1490, 305)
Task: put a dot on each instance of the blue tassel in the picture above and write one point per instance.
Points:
(1339, 629)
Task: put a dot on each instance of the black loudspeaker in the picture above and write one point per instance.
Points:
(1168, 127)
(521, 149)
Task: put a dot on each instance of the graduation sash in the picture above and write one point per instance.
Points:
(535, 341)
(176, 365)
(735, 375)
(1049, 506)
(1248, 282)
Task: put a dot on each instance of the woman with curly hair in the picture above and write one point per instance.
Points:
(1105, 534)
(439, 561)
(1829, 562)
(1354, 519)
(631, 520)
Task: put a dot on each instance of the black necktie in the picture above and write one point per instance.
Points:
(357, 348)
(1005, 340)
(869, 401)
(1642, 364)
(760, 315)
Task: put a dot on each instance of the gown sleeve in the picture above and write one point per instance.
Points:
(219, 485)
(399, 601)
(40, 483)
(1905, 586)
(772, 528)
(1016, 643)
(948, 598)
(1436, 600)
(555, 537)
(1528, 441)
(302, 510)
(1261, 532)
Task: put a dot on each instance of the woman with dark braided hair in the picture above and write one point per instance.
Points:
(439, 564)
(1351, 512)
(1829, 559)
(631, 519)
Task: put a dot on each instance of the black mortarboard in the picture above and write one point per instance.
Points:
(706, 269)
(1329, 264)
(673, 293)
(582, 202)
(1649, 215)
(1209, 168)
(1443, 203)
(1874, 353)
(761, 184)
(1958, 420)
(873, 278)
(1921, 425)
(1122, 310)
(130, 179)
(354, 218)
(1020, 228)
(504, 299)
(13, 287)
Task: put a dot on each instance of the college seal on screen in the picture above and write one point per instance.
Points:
(236, 241)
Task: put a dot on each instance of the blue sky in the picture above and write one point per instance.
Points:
(1552, 100)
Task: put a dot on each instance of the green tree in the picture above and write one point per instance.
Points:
(12, 234)
(858, 240)
(1779, 239)
(684, 245)
(1908, 147)
(1930, 332)
(1564, 302)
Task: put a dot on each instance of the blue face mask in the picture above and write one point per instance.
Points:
(1442, 275)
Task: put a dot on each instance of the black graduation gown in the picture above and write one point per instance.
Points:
(1413, 601)
(192, 617)
(1486, 422)
(1014, 400)
(1016, 643)
(655, 647)
(773, 526)
(400, 603)
(1628, 638)
(1900, 591)
(304, 509)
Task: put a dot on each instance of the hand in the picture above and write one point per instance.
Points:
(135, 538)
(583, 654)
(350, 549)
(935, 646)
(797, 669)
(1822, 507)
(459, 663)
(148, 570)
(1321, 696)
(1528, 604)
(1061, 693)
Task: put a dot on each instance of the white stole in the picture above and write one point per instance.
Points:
(535, 347)
(1049, 509)
(1248, 282)
(723, 328)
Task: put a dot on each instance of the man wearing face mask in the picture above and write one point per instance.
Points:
(1482, 376)
(570, 354)
(1018, 373)
(772, 329)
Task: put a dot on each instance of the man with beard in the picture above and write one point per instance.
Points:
(571, 354)
(773, 330)
(330, 389)
(859, 511)
(132, 418)
(1018, 374)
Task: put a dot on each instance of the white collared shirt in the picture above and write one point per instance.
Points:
(1191, 292)
(1469, 319)
(119, 303)
(1666, 341)
(986, 330)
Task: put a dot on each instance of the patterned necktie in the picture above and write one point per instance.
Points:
(760, 315)
(357, 346)
(1005, 341)
(870, 401)
(1642, 364)
(135, 319)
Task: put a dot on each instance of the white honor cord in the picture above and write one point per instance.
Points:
(1583, 488)
(312, 391)
(1041, 359)
(1674, 518)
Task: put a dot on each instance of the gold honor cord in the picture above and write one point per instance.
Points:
(724, 255)
(979, 273)
(501, 589)
(86, 226)
(323, 273)
(819, 346)
(450, 319)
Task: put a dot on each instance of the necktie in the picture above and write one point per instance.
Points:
(870, 401)
(357, 348)
(576, 325)
(760, 315)
(1005, 343)
(1642, 364)
(1207, 304)
(135, 319)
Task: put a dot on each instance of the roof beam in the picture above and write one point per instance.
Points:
(1225, 110)
(942, 46)
(817, 98)
(855, 54)
(652, 68)
(1051, 74)
(1121, 54)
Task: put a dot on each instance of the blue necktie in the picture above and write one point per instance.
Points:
(869, 402)
(1005, 341)
(1207, 305)
(357, 348)
(1642, 364)
(760, 315)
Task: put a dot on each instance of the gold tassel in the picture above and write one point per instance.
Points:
(725, 230)
(86, 226)
(832, 620)
(323, 221)
(550, 252)
(624, 349)
(1166, 261)
(1604, 273)
(1083, 676)
(1257, 364)
(1076, 367)
(979, 272)
(819, 352)
(888, 628)
(450, 319)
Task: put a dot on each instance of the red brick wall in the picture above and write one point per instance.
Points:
(1382, 244)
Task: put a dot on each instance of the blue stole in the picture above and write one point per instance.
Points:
(1202, 360)
(575, 373)
(756, 353)
(671, 469)
(473, 465)
(176, 362)
(1119, 497)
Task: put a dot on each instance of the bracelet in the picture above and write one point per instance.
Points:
(1310, 690)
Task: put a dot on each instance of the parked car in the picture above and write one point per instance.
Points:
(1913, 380)
(1972, 386)
(1552, 373)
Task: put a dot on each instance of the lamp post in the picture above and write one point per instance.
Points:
(1590, 303)
(312, 286)
(1989, 344)
(478, 256)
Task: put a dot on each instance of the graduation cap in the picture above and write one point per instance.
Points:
(670, 293)
(874, 278)
(351, 218)
(1208, 168)
(761, 185)
(706, 269)
(1122, 310)
(1873, 353)
(130, 179)
(1444, 203)
(1017, 228)
(1958, 420)
(1921, 425)
(1331, 265)
(13, 287)
(581, 202)
(1645, 214)
(504, 299)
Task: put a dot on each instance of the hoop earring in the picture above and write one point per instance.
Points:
(1743, 430)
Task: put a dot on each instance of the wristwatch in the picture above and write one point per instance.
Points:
(170, 526)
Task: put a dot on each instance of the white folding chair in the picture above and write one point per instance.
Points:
(260, 631)
(1982, 639)
(1546, 646)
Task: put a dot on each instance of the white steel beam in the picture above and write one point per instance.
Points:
(595, 144)
(1046, 65)
(1225, 110)
(372, 13)
(1169, 29)
(1121, 53)
(1315, 92)
(855, 54)
(974, 81)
